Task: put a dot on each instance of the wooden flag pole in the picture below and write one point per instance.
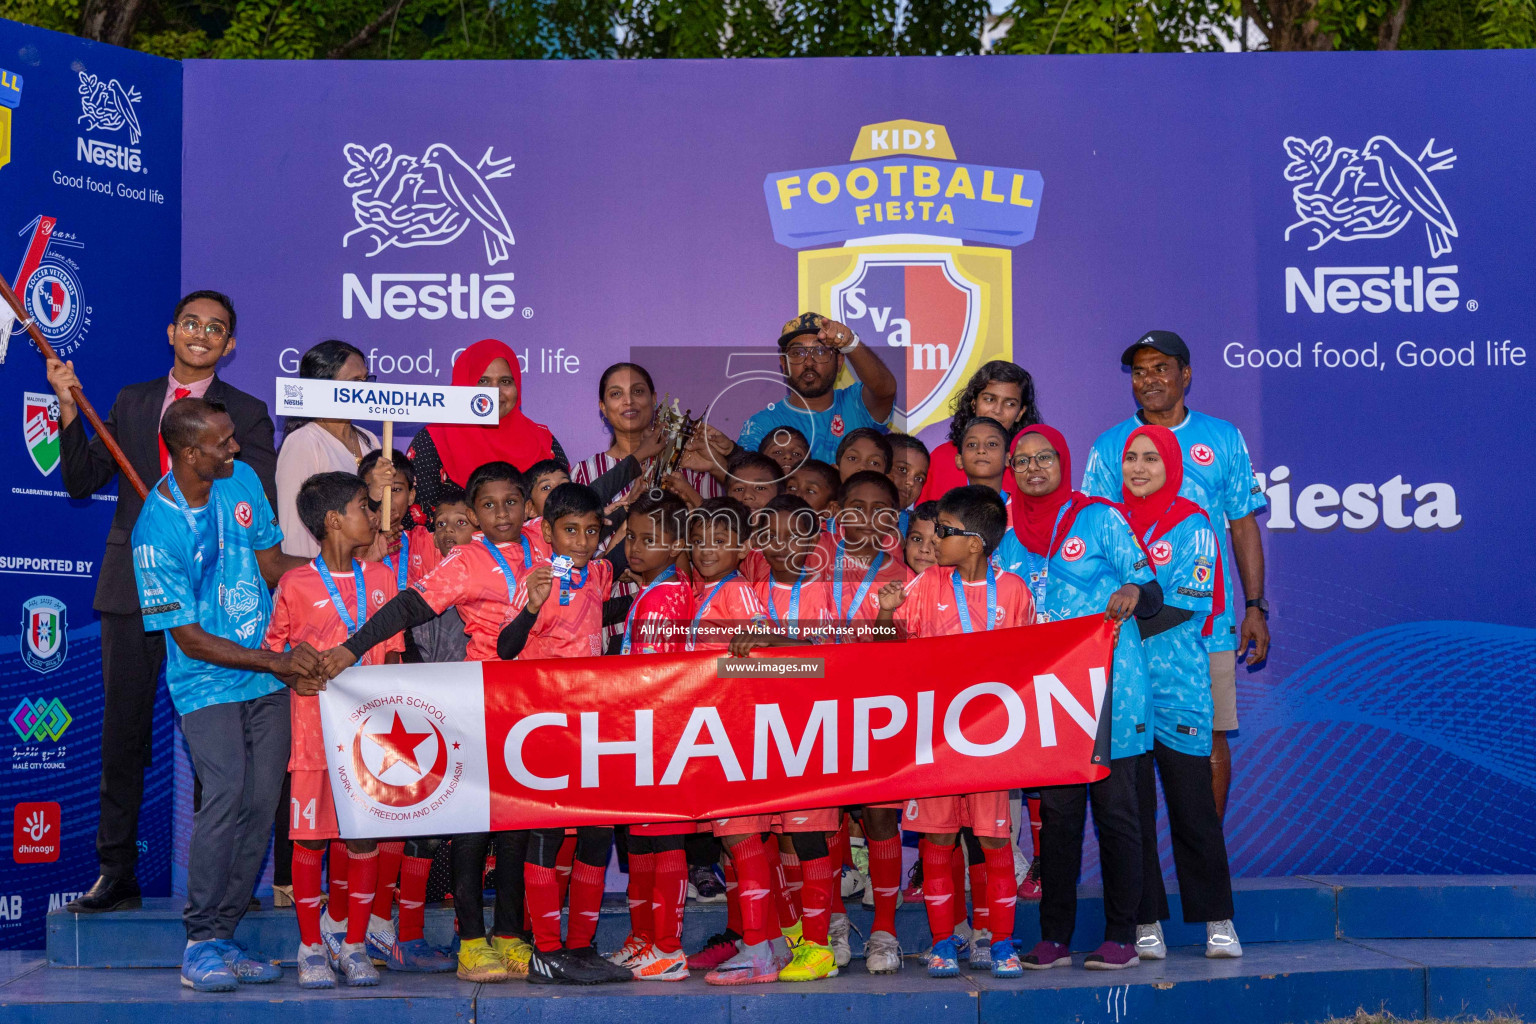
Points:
(88, 410)
(387, 454)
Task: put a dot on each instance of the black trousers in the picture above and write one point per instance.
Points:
(703, 850)
(1199, 847)
(469, 852)
(130, 670)
(1063, 814)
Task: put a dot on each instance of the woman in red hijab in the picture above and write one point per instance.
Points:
(1181, 545)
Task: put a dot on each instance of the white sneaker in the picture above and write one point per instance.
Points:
(854, 882)
(1221, 941)
(333, 935)
(837, 939)
(778, 948)
(1149, 941)
(626, 954)
(882, 953)
(981, 949)
(355, 967)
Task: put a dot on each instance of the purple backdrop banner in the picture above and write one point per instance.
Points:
(1344, 240)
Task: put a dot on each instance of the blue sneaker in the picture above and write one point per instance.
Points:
(381, 938)
(204, 970)
(1005, 960)
(420, 957)
(246, 970)
(944, 959)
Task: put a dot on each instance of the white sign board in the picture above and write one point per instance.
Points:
(357, 400)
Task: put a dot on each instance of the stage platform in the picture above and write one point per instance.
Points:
(1315, 948)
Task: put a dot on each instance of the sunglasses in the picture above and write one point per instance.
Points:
(945, 532)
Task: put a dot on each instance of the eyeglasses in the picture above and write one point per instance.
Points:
(1045, 460)
(800, 353)
(945, 532)
(367, 378)
(213, 329)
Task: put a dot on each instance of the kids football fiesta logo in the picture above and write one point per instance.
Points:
(903, 277)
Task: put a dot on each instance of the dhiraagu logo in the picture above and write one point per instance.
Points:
(903, 276)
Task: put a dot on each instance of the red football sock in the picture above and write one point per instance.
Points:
(732, 898)
(390, 855)
(336, 864)
(642, 883)
(885, 876)
(794, 878)
(1002, 892)
(754, 889)
(938, 889)
(362, 877)
(957, 879)
(817, 897)
(784, 905)
(542, 896)
(670, 891)
(306, 892)
(563, 861)
(838, 846)
(413, 897)
(979, 915)
(1034, 824)
(586, 902)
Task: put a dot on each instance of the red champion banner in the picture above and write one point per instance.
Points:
(485, 746)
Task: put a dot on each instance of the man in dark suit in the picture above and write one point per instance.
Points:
(201, 332)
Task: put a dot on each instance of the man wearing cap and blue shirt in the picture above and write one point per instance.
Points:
(1218, 476)
(813, 349)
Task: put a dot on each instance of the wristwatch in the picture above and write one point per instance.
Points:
(1259, 603)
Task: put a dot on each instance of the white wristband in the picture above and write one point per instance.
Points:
(852, 344)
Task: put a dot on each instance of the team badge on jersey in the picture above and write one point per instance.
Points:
(1202, 454)
(837, 425)
(1073, 548)
(1161, 552)
(377, 597)
(1202, 572)
(243, 513)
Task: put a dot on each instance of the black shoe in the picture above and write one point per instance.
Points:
(108, 894)
(255, 904)
(592, 958)
(559, 967)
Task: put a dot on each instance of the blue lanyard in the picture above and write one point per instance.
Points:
(1042, 575)
(629, 620)
(904, 522)
(565, 583)
(964, 610)
(793, 613)
(506, 570)
(336, 601)
(186, 512)
(405, 560)
(693, 630)
(864, 585)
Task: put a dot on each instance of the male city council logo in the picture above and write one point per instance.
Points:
(41, 719)
(406, 201)
(48, 283)
(40, 429)
(108, 106)
(903, 277)
(44, 633)
(1345, 194)
(400, 755)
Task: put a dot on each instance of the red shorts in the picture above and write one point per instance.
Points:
(824, 819)
(747, 824)
(666, 828)
(311, 814)
(987, 814)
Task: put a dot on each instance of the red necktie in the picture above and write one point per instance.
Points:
(165, 456)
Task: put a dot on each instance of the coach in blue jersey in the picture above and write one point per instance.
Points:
(205, 550)
(1218, 477)
(813, 351)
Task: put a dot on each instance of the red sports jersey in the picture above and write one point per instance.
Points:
(660, 617)
(930, 608)
(470, 580)
(815, 607)
(754, 567)
(854, 570)
(733, 606)
(302, 611)
(533, 529)
(572, 630)
(421, 555)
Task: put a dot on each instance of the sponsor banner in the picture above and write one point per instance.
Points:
(329, 399)
(435, 749)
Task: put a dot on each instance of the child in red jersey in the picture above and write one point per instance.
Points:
(658, 865)
(561, 616)
(864, 553)
(787, 447)
(815, 482)
(909, 467)
(962, 594)
(443, 640)
(323, 603)
(753, 479)
(407, 550)
(921, 547)
(541, 478)
(481, 580)
(863, 449)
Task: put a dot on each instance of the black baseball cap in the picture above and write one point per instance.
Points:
(1166, 342)
(805, 323)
